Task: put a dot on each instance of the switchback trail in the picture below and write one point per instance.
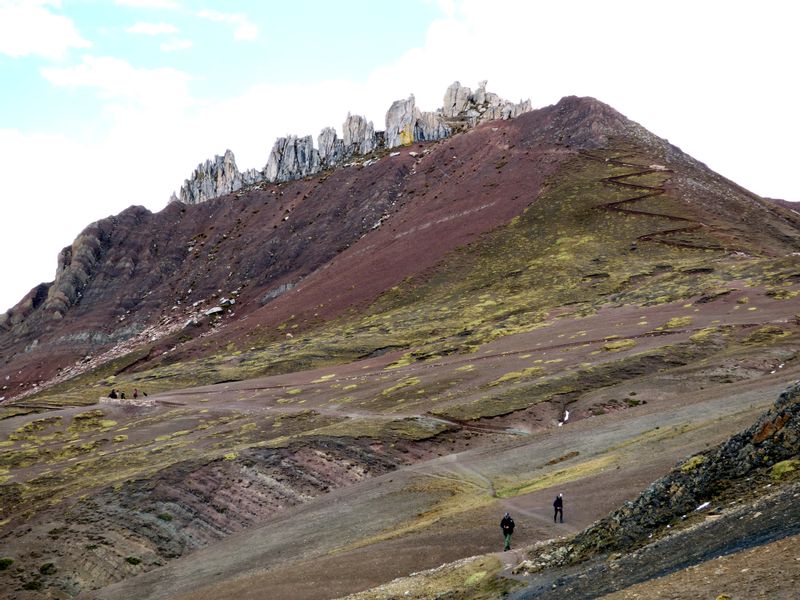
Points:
(645, 192)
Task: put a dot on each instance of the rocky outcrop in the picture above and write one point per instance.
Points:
(406, 124)
(775, 437)
(215, 178)
(292, 158)
(295, 157)
(359, 135)
(331, 148)
(461, 103)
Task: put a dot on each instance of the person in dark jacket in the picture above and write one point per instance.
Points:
(507, 525)
(113, 394)
(558, 505)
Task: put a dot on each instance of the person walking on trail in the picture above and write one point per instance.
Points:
(558, 505)
(507, 525)
(113, 394)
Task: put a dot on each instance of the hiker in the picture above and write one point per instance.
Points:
(558, 505)
(121, 395)
(135, 393)
(507, 525)
(113, 394)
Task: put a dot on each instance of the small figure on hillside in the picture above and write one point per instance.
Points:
(558, 505)
(113, 394)
(135, 393)
(121, 395)
(507, 525)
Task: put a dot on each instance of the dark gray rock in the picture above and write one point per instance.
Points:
(775, 437)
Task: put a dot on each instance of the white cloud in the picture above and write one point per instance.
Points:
(29, 28)
(245, 29)
(175, 45)
(447, 7)
(163, 4)
(117, 80)
(152, 28)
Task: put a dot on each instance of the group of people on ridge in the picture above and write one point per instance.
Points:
(507, 523)
(121, 394)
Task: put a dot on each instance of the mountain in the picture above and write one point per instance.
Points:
(356, 358)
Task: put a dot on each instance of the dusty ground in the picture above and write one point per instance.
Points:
(444, 508)
(768, 571)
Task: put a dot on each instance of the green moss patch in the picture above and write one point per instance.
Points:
(618, 345)
(784, 468)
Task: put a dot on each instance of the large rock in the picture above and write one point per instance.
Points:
(359, 135)
(331, 148)
(456, 99)
(406, 124)
(462, 104)
(775, 437)
(213, 178)
(292, 158)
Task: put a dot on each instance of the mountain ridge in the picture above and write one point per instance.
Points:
(294, 157)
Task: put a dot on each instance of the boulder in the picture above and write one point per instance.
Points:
(400, 119)
(292, 157)
(457, 98)
(331, 149)
(406, 124)
(359, 135)
(213, 178)
(461, 104)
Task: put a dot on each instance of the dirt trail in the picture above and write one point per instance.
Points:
(646, 191)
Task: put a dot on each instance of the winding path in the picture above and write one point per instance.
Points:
(645, 192)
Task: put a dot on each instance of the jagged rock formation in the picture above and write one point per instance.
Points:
(359, 135)
(292, 158)
(215, 178)
(295, 157)
(460, 103)
(331, 148)
(405, 124)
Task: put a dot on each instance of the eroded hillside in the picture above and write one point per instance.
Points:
(408, 348)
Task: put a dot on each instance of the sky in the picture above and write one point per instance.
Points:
(110, 103)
